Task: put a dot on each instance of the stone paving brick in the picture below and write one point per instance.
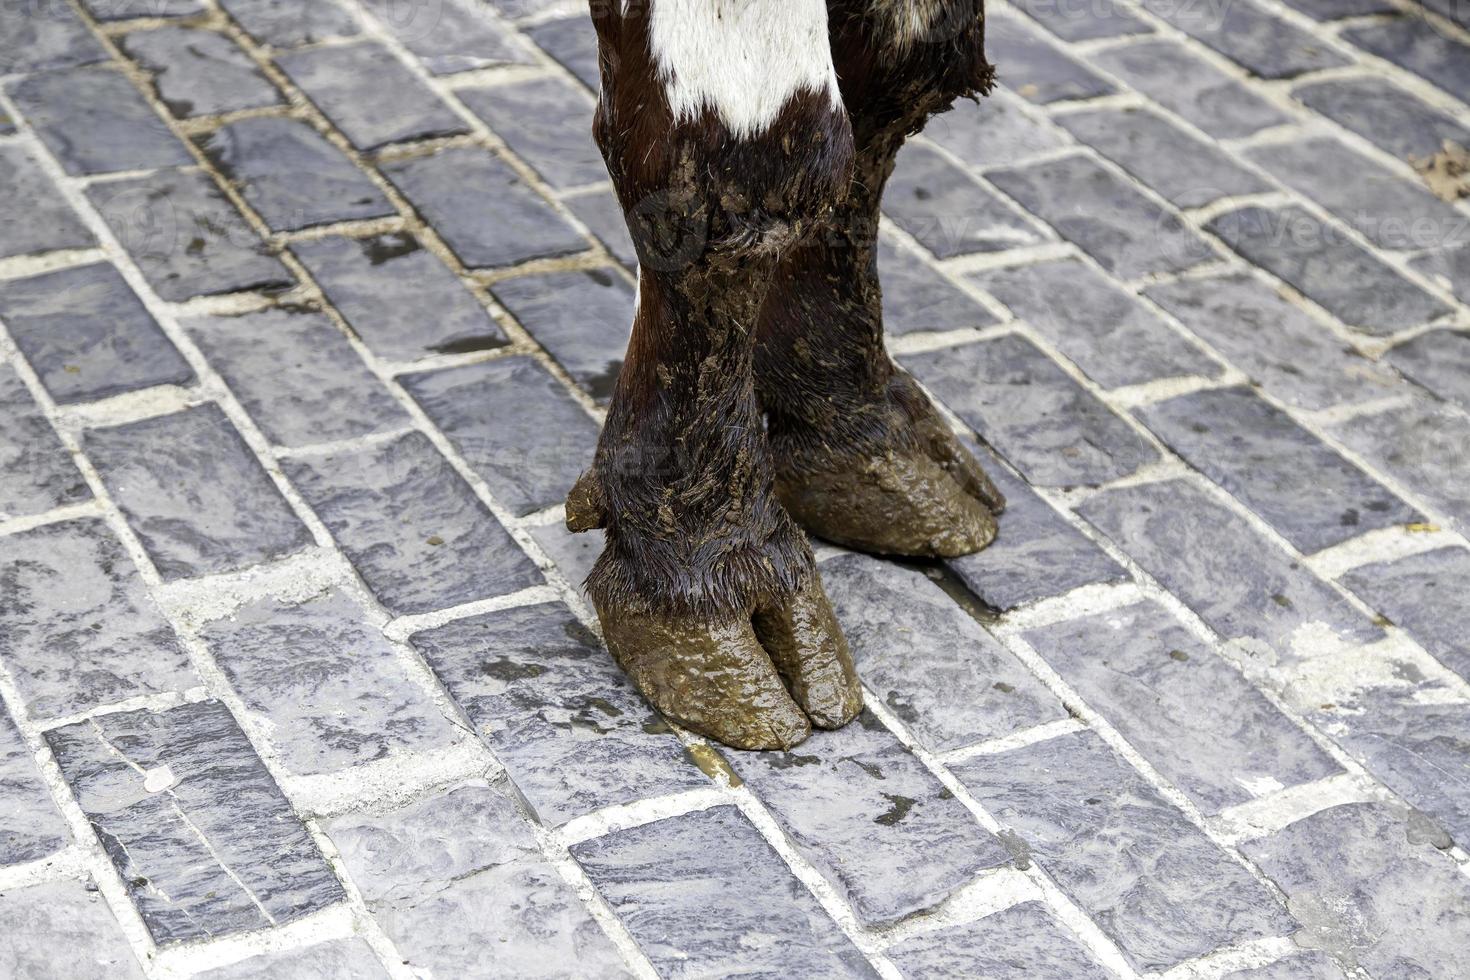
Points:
(30, 826)
(62, 929)
(582, 318)
(703, 890)
(1022, 942)
(600, 211)
(199, 73)
(1191, 715)
(290, 23)
(87, 335)
(7, 124)
(411, 526)
(1416, 46)
(43, 36)
(514, 424)
(1371, 890)
(1073, 21)
(572, 41)
(1177, 79)
(1390, 211)
(917, 298)
(36, 473)
(947, 679)
(482, 209)
(1281, 348)
(185, 236)
(194, 493)
(1307, 966)
(328, 688)
(867, 814)
(1301, 487)
(1022, 403)
(1450, 267)
(296, 375)
(1034, 67)
(564, 155)
(450, 36)
(1185, 170)
(1422, 595)
(1245, 33)
(1339, 9)
(998, 129)
(324, 961)
(1384, 114)
(77, 626)
(1340, 276)
(1105, 331)
(546, 697)
(115, 10)
(1438, 360)
(33, 216)
(1126, 232)
(200, 833)
(291, 175)
(573, 554)
(1153, 882)
(460, 886)
(399, 297)
(1239, 583)
(948, 211)
(402, 107)
(94, 121)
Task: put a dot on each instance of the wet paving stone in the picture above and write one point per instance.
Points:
(1450, 267)
(1153, 882)
(33, 216)
(1000, 129)
(600, 211)
(95, 122)
(1126, 232)
(514, 424)
(296, 375)
(1300, 486)
(1022, 942)
(1384, 114)
(1438, 360)
(1266, 45)
(1415, 45)
(1305, 966)
(949, 212)
(1239, 583)
(917, 298)
(1339, 9)
(290, 23)
(949, 681)
(582, 318)
(1421, 594)
(1370, 889)
(411, 526)
(31, 827)
(40, 37)
(194, 493)
(572, 42)
(573, 554)
(77, 626)
(62, 929)
(399, 297)
(291, 175)
(402, 108)
(114, 10)
(333, 958)
(1022, 403)
(88, 336)
(1083, 22)
(198, 72)
(450, 36)
(693, 908)
(204, 840)
(461, 887)
(1105, 331)
(573, 733)
(185, 236)
(564, 156)
(1190, 714)
(36, 471)
(1037, 68)
(485, 213)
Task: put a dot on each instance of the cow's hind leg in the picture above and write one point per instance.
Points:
(725, 135)
(862, 457)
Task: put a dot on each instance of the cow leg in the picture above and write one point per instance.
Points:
(862, 457)
(723, 129)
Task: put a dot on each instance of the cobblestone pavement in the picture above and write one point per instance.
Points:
(308, 311)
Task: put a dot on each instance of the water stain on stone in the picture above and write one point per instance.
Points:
(791, 760)
(601, 385)
(600, 277)
(606, 707)
(901, 708)
(469, 345)
(1350, 518)
(1420, 828)
(713, 765)
(1178, 655)
(1018, 849)
(1281, 600)
(657, 727)
(872, 769)
(1003, 687)
(506, 669)
(901, 805)
(384, 248)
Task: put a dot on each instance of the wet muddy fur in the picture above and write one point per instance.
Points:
(756, 372)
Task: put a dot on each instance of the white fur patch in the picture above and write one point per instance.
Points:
(911, 21)
(743, 59)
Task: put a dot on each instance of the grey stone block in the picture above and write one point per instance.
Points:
(411, 526)
(1438, 360)
(1245, 33)
(574, 554)
(297, 375)
(703, 891)
(33, 216)
(194, 493)
(1327, 10)
(1035, 67)
(1191, 715)
(1384, 114)
(38, 37)
(1415, 45)
(115, 10)
(460, 886)
(482, 209)
(1422, 594)
(563, 154)
(917, 298)
(331, 960)
(514, 424)
(1314, 965)
(1450, 267)
(36, 473)
(582, 317)
(450, 36)
(571, 730)
(87, 335)
(198, 72)
(399, 297)
(94, 122)
(1370, 890)
(600, 211)
(77, 626)
(572, 41)
(289, 23)
(1083, 21)
(1023, 404)
(948, 211)
(30, 826)
(61, 930)
(204, 840)
(1222, 569)
(931, 664)
(1153, 882)
(1000, 129)
(1102, 329)
(1022, 942)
